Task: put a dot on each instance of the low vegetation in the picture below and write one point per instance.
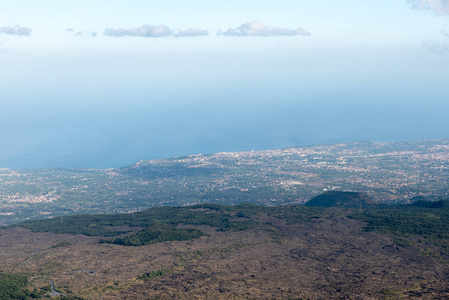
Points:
(153, 274)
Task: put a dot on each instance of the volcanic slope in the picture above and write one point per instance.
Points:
(287, 252)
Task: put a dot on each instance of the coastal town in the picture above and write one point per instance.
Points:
(388, 172)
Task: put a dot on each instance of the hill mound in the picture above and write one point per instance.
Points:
(337, 198)
(430, 202)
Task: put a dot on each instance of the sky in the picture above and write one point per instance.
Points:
(104, 84)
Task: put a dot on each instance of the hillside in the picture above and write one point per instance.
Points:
(245, 251)
(338, 198)
(430, 202)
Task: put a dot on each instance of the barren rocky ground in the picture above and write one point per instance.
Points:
(329, 258)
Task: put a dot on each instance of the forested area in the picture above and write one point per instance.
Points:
(157, 233)
(14, 286)
(406, 220)
(424, 224)
(160, 223)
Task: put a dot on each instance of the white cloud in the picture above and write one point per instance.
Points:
(258, 29)
(192, 32)
(16, 30)
(82, 33)
(439, 47)
(441, 7)
(143, 31)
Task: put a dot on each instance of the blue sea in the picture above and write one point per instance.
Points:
(116, 134)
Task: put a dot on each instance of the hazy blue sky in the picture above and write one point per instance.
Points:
(106, 83)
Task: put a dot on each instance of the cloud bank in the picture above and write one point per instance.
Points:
(258, 29)
(16, 30)
(143, 31)
(155, 32)
(440, 7)
(191, 32)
